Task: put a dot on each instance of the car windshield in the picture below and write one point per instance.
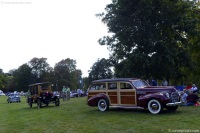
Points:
(13, 94)
(139, 83)
(45, 86)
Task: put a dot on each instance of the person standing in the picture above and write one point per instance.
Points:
(164, 83)
(27, 95)
(153, 82)
(79, 92)
(68, 93)
(184, 97)
(64, 93)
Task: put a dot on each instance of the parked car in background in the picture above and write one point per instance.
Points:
(12, 97)
(84, 93)
(56, 93)
(7, 93)
(132, 93)
(73, 94)
(1, 93)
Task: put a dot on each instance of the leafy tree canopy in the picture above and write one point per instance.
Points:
(100, 70)
(150, 37)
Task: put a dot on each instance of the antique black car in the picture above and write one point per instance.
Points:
(41, 94)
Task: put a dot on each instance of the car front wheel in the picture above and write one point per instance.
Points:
(154, 106)
(57, 102)
(103, 105)
(30, 103)
(39, 103)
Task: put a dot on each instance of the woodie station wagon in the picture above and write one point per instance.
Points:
(132, 93)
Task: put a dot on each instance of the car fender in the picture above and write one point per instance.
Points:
(93, 101)
(55, 97)
(144, 99)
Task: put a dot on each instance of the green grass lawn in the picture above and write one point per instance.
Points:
(75, 116)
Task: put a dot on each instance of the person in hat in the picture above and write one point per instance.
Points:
(194, 88)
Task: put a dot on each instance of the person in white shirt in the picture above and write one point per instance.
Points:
(164, 83)
(184, 97)
(194, 88)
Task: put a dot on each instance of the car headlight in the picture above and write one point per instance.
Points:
(167, 94)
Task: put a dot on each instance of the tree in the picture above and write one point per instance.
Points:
(1, 71)
(74, 77)
(86, 83)
(150, 37)
(22, 77)
(100, 70)
(2, 80)
(65, 72)
(39, 68)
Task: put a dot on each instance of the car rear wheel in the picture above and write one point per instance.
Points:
(39, 103)
(103, 105)
(154, 106)
(57, 101)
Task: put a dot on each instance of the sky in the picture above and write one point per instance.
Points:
(52, 29)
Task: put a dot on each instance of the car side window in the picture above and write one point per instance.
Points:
(112, 86)
(125, 86)
(44, 87)
(99, 86)
(31, 90)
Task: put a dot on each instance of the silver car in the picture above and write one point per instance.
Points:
(12, 97)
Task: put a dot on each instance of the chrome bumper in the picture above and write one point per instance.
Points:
(173, 104)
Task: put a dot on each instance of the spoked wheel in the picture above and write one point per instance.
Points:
(30, 103)
(154, 106)
(39, 103)
(64, 97)
(103, 105)
(57, 102)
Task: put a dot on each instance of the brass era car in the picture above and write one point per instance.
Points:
(41, 94)
(132, 93)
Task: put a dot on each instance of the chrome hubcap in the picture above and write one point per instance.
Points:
(102, 105)
(154, 106)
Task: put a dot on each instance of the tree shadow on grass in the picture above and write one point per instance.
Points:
(43, 107)
(137, 111)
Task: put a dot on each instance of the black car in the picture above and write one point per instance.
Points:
(41, 94)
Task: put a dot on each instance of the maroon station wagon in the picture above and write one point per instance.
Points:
(132, 93)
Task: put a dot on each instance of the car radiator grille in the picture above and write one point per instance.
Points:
(174, 97)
